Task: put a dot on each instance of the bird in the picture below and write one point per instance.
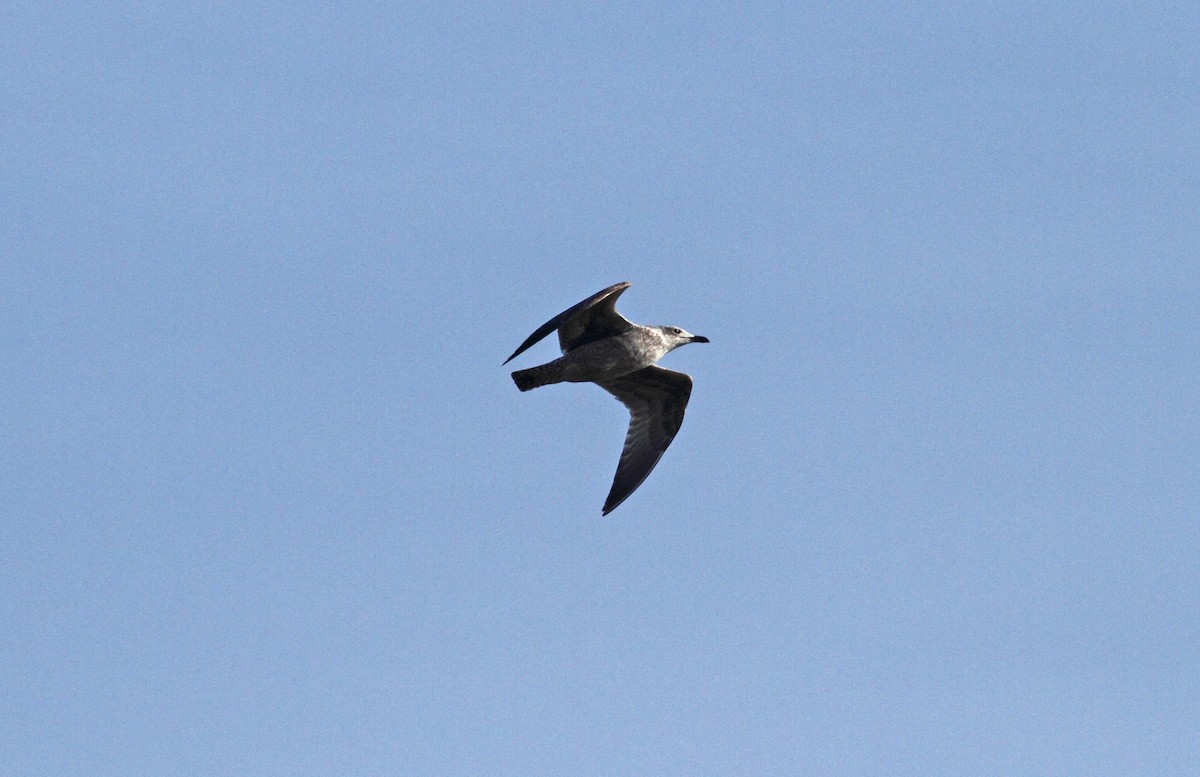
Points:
(601, 346)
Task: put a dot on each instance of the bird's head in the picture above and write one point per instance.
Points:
(676, 337)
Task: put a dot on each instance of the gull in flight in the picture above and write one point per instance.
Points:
(600, 346)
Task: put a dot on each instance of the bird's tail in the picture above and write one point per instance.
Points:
(537, 376)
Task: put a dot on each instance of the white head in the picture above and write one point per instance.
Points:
(676, 337)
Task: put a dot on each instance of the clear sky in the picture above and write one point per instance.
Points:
(270, 504)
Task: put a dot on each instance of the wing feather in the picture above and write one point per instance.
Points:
(656, 398)
(592, 319)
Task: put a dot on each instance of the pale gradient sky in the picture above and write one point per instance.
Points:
(272, 506)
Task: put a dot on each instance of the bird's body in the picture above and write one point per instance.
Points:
(600, 346)
(599, 360)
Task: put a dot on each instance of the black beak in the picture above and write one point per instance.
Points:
(699, 339)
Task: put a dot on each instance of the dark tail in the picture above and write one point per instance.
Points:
(537, 376)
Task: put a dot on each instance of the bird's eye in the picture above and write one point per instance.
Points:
(675, 331)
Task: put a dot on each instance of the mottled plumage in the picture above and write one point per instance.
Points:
(600, 346)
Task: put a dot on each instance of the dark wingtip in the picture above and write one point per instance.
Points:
(612, 503)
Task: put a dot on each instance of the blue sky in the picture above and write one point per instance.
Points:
(272, 506)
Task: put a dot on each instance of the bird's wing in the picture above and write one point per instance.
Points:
(656, 399)
(593, 319)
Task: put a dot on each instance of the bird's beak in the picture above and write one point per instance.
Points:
(699, 339)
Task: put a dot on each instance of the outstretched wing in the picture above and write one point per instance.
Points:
(593, 319)
(656, 399)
